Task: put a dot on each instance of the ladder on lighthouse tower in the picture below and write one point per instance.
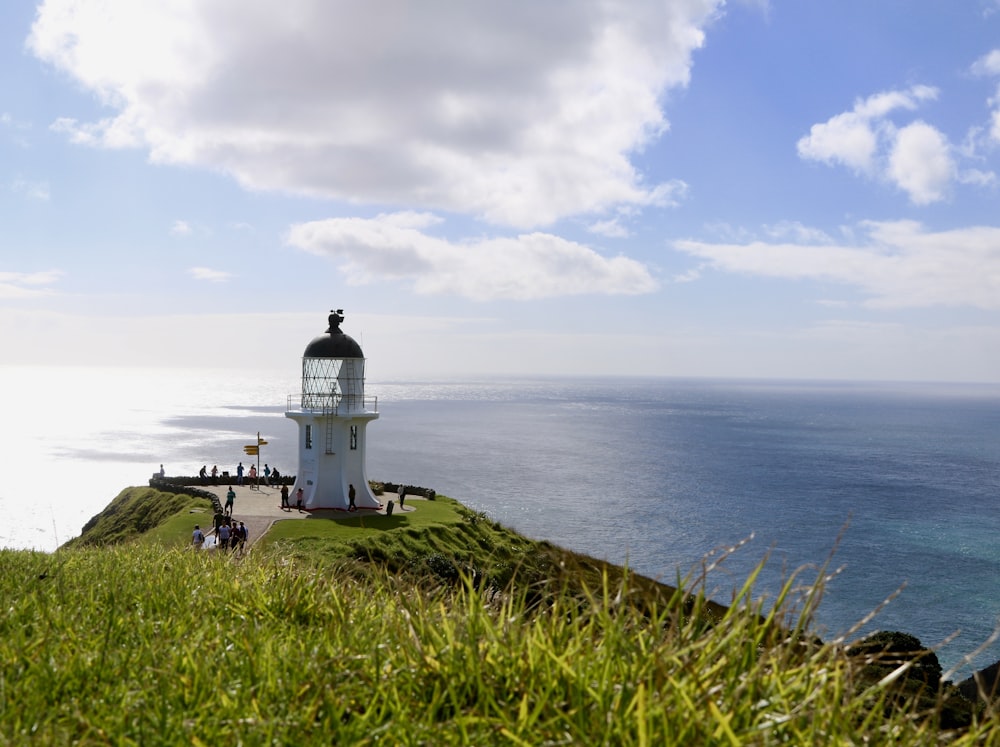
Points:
(331, 417)
(329, 432)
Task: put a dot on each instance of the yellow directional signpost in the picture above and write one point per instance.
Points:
(254, 450)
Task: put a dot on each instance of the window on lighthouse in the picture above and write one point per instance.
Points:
(354, 438)
(309, 436)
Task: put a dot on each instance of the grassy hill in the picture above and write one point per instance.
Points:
(146, 515)
(454, 631)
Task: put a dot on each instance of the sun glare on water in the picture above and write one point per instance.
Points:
(73, 437)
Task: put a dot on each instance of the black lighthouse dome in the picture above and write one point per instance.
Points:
(334, 344)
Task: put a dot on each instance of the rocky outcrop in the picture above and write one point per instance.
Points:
(983, 686)
(886, 650)
(911, 674)
(393, 487)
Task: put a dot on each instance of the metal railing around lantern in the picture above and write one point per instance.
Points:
(332, 404)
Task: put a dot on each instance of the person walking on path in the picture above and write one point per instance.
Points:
(240, 535)
(402, 495)
(267, 475)
(215, 473)
(197, 537)
(350, 497)
(253, 476)
(284, 496)
(239, 473)
(223, 533)
(230, 497)
(298, 498)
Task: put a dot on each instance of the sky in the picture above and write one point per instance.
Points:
(792, 189)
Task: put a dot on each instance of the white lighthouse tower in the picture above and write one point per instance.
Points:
(333, 414)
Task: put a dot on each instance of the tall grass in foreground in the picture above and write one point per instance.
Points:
(137, 645)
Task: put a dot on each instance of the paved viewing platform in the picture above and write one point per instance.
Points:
(259, 508)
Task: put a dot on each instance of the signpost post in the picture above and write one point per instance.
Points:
(254, 450)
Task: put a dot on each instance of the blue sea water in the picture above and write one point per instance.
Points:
(893, 485)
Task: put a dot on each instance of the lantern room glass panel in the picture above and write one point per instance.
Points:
(320, 385)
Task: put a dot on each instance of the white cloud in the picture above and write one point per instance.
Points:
(978, 178)
(988, 64)
(798, 232)
(846, 138)
(917, 158)
(884, 103)
(180, 228)
(920, 163)
(32, 190)
(518, 112)
(106, 133)
(16, 131)
(22, 285)
(764, 6)
(8, 121)
(728, 232)
(852, 138)
(207, 273)
(690, 276)
(528, 266)
(897, 264)
(612, 228)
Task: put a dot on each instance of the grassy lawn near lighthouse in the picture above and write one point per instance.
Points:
(436, 626)
(340, 525)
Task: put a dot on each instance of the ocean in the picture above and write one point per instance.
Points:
(894, 486)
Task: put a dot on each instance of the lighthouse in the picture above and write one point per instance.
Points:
(332, 414)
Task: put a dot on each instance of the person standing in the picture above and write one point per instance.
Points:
(402, 495)
(350, 498)
(215, 473)
(284, 496)
(298, 498)
(253, 476)
(267, 475)
(239, 473)
(230, 498)
(197, 537)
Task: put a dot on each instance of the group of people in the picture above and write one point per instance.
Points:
(203, 474)
(267, 474)
(299, 497)
(251, 475)
(229, 534)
